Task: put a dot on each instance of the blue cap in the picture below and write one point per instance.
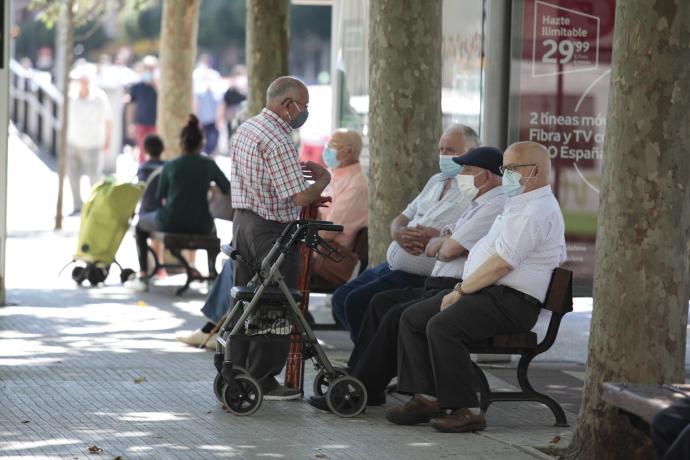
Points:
(489, 158)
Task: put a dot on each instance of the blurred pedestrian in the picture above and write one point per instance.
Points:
(142, 98)
(88, 134)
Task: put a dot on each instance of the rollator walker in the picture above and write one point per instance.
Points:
(268, 310)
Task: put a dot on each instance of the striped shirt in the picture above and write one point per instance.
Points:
(266, 172)
(430, 210)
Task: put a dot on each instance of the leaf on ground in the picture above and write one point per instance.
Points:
(209, 412)
(320, 455)
(119, 457)
(26, 421)
(95, 449)
(141, 303)
(140, 379)
(556, 440)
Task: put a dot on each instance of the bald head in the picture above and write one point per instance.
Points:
(285, 87)
(348, 144)
(287, 97)
(529, 153)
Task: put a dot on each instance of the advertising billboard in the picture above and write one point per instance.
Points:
(560, 72)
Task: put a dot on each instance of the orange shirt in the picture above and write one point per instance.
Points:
(349, 189)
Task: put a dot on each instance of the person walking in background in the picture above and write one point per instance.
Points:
(206, 101)
(143, 98)
(88, 135)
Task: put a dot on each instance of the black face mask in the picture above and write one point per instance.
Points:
(300, 119)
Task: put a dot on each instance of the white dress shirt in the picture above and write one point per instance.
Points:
(87, 118)
(472, 226)
(430, 210)
(530, 236)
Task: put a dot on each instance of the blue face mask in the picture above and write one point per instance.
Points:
(448, 167)
(511, 183)
(330, 157)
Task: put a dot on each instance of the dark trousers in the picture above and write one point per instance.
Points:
(374, 359)
(145, 226)
(254, 237)
(671, 431)
(432, 345)
(350, 301)
(211, 136)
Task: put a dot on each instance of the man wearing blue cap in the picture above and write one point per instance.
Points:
(505, 279)
(374, 358)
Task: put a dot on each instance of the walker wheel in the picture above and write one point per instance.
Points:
(245, 398)
(346, 397)
(218, 384)
(78, 274)
(322, 381)
(126, 274)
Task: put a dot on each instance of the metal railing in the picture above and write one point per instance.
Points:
(35, 106)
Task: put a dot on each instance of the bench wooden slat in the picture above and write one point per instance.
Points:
(643, 400)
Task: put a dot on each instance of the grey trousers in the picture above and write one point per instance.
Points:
(254, 237)
(432, 354)
(82, 161)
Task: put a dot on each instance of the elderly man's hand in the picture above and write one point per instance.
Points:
(408, 239)
(450, 299)
(314, 171)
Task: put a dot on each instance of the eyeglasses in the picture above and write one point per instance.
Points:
(513, 167)
(303, 104)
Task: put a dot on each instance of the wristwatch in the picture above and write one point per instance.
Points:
(458, 288)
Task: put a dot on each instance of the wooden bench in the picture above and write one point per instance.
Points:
(559, 301)
(641, 402)
(178, 242)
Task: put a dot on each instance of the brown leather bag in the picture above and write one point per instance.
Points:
(335, 273)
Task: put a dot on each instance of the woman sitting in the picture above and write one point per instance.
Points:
(183, 188)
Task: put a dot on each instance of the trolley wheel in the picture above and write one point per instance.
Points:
(96, 275)
(78, 274)
(322, 382)
(246, 398)
(346, 397)
(126, 274)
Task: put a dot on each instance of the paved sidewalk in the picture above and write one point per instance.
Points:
(99, 367)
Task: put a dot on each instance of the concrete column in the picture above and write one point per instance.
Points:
(4, 121)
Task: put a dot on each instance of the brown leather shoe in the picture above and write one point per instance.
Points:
(459, 421)
(416, 410)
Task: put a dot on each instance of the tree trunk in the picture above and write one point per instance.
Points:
(267, 48)
(180, 23)
(640, 286)
(404, 108)
(67, 17)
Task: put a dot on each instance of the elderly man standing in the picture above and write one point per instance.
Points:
(88, 135)
(268, 189)
(505, 280)
(349, 193)
(440, 203)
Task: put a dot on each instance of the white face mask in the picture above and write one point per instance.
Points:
(467, 187)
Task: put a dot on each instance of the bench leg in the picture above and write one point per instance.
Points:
(212, 255)
(190, 274)
(533, 395)
(528, 393)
